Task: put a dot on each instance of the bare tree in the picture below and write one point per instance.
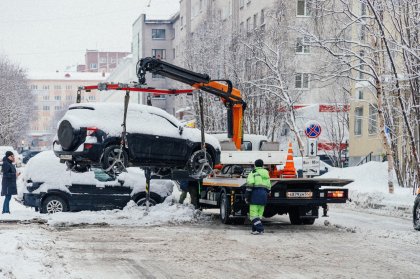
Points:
(15, 105)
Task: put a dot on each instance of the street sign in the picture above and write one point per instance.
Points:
(312, 147)
(310, 166)
(312, 129)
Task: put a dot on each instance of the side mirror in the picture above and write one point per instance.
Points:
(181, 129)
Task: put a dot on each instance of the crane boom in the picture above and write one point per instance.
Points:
(223, 89)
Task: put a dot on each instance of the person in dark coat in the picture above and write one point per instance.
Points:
(8, 184)
(190, 187)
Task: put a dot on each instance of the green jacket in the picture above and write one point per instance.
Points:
(259, 178)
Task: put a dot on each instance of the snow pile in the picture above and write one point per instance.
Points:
(21, 255)
(370, 189)
(132, 215)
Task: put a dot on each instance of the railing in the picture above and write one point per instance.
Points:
(368, 158)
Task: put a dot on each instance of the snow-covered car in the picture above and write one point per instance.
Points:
(90, 135)
(49, 187)
(416, 211)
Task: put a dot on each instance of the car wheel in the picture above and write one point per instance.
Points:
(200, 164)
(142, 202)
(54, 204)
(416, 213)
(294, 216)
(224, 207)
(114, 159)
(66, 135)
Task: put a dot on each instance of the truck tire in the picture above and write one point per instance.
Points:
(54, 204)
(224, 207)
(294, 216)
(416, 213)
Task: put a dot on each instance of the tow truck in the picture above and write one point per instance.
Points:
(225, 188)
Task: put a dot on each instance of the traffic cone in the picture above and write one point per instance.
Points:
(289, 170)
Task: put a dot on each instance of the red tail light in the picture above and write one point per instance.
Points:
(91, 130)
(88, 145)
(335, 194)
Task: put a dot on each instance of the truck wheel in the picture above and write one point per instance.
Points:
(54, 204)
(294, 216)
(224, 207)
(416, 213)
(308, 221)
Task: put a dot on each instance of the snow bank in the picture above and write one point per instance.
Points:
(370, 189)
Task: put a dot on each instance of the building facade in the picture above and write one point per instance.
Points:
(54, 92)
(101, 61)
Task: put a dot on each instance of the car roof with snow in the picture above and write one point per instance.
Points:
(46, 167)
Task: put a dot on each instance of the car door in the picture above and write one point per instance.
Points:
(161, 145)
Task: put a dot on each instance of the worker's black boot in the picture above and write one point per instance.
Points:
(257, 227)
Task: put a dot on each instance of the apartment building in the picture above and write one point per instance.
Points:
(54, 92)
(101, 61)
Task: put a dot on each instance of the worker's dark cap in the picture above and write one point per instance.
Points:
(9, 153)
(259, 163)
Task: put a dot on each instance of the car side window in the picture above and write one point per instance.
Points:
(102, 176)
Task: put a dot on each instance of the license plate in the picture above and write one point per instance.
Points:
(65, 157)
(299, 195)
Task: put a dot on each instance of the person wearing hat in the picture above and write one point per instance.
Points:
(258, 186)
(8, 184)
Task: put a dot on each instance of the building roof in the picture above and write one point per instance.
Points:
(67, 76)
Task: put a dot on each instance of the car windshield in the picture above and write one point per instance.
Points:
(102, 176)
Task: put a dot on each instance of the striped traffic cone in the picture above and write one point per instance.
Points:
(289, 170)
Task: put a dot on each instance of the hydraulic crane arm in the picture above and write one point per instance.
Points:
(230, 96)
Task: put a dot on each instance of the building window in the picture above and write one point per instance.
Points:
(359, 94)
(262, 19)
(57, 87)
(158, 34)
(57, 98)
(46, 87)
(158, 96)
(159, 53)
(46, 98)
(302, 81)
(46, 108)
(102, 60)
(92, 98)
(57, 108)
(303, 8)
(255, 21)
(373, 120)
(361, 64)
(34, 86)
(93, 66)
(358, 121)
(362, 34)
(363, 8)
(69, 87)
(302, 45)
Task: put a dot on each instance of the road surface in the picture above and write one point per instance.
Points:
(349, 245)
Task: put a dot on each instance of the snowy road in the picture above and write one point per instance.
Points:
(353, 245)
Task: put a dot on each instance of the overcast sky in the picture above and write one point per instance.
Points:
(48, 35)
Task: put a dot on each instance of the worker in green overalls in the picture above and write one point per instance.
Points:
(258, 186)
